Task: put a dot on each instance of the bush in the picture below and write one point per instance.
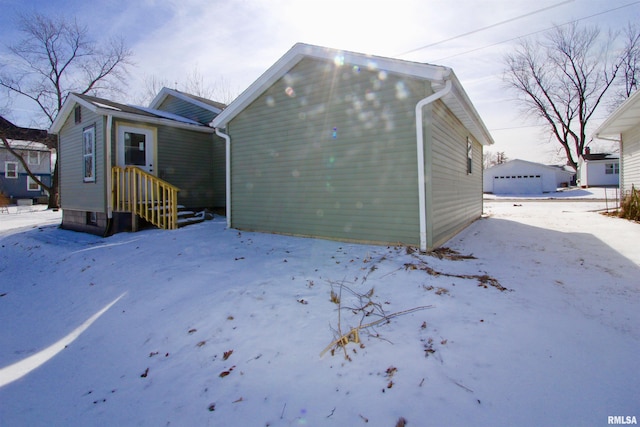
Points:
(630, 205)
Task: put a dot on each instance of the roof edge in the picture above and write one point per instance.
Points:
(165, 92)
(301, 50)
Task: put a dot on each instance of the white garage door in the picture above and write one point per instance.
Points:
(517, 184)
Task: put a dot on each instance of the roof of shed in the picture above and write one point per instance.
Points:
(600, 156)
(512, 162)
(457, 99)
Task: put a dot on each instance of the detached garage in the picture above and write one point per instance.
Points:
(523, 177)
(347, 146)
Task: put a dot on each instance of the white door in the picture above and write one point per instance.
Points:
(136, 147)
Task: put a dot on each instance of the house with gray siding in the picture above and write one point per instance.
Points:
(116, 159)
(624, 125)
(354, 147)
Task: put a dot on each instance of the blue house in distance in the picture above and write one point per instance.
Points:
(15, 183)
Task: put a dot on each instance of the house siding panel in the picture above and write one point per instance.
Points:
(630, 160)
(75, 194)
(185, 159)
(186, 109)
(219, 175)
(333, 159)
(456, 195)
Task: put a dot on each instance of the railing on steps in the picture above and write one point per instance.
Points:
(146, 196)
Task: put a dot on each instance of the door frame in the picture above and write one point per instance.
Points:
(151, 140)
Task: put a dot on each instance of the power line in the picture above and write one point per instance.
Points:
(487, 27)
(536, 32)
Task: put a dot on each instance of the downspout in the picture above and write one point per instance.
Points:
(227, 151)
(109, 166)
(422, 197)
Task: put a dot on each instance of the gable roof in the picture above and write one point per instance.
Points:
(626, 116)
(457, 99)
(106, 107)
(207, 104)
(551, 168)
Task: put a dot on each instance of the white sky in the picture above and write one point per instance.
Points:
(237, 40)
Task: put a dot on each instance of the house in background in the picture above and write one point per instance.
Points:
(523, 177)
(16, 185)
(598, 170)
(624, 125)
(348, 146)
(120, 163)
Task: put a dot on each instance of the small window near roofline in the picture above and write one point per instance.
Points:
(77, 114)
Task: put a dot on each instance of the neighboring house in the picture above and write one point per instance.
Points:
(119, 163)
(624, 125)
(15, 183)
(347, 146)
(598, 170)
(523, 177)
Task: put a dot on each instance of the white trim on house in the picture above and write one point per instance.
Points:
(457, 99)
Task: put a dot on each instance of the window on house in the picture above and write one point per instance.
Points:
(11, 169)
(77, 114)
(32, 185)
(89, 153)
(469, 156)
(33, 157)
(612, 168)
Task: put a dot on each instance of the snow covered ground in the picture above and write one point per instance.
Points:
(209, 326)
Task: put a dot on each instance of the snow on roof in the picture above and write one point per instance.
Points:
(25, 145)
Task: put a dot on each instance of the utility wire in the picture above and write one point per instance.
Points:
(536, 32)
(486, 28)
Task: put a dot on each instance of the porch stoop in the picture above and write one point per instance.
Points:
(187, 216)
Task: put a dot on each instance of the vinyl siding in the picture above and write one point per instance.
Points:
(186, 109)
(630, 160)
(335, 158)
(219, 175)
(76, 194)
(456, 196)
(185, 159)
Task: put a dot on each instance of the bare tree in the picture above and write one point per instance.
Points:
(630, 65)
(564, 77)
(220, 90)
(489, 158)
(56, 57)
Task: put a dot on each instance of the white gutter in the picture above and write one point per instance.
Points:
(109, 166)
(227, 151)
(422, 196)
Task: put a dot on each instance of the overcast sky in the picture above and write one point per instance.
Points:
(237, 40)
